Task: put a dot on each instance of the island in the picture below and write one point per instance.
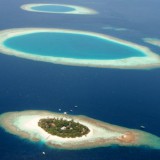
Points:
(72, 132)
(63, 128)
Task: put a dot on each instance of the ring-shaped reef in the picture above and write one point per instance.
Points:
(77, 48)
(57, 8)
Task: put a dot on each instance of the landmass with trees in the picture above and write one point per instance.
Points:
(63, 128)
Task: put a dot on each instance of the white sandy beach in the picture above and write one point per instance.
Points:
(29, 124)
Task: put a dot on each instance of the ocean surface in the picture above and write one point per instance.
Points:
(128, 98)
(52, 8)
(79, 46)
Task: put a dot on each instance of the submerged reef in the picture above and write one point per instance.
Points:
(114, 28)
(25, 125)
(153, 41)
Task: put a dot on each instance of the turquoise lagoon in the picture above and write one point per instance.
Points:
(53, 8)
(71, 45)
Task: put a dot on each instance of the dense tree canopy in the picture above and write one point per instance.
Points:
(63, 128)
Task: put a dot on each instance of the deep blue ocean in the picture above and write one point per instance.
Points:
(128, 98)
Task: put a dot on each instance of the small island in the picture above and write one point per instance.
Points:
(63, 128)
(72, 132)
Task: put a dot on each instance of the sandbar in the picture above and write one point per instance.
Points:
(25, 125)
(77, 9)
(149, 61)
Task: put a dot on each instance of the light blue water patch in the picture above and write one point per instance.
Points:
(71, 46)
(53, 8)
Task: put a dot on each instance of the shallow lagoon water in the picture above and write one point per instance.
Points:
(71, 46)
(53, 8)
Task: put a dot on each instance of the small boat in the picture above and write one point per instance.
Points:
(142, 127)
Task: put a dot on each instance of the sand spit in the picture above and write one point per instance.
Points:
(25, 125)
(77, 9)
(149, 61)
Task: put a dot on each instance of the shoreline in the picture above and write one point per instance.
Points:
(151, 60)
(77, 9)
(25, 125)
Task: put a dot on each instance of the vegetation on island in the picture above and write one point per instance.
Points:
(63, 128)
